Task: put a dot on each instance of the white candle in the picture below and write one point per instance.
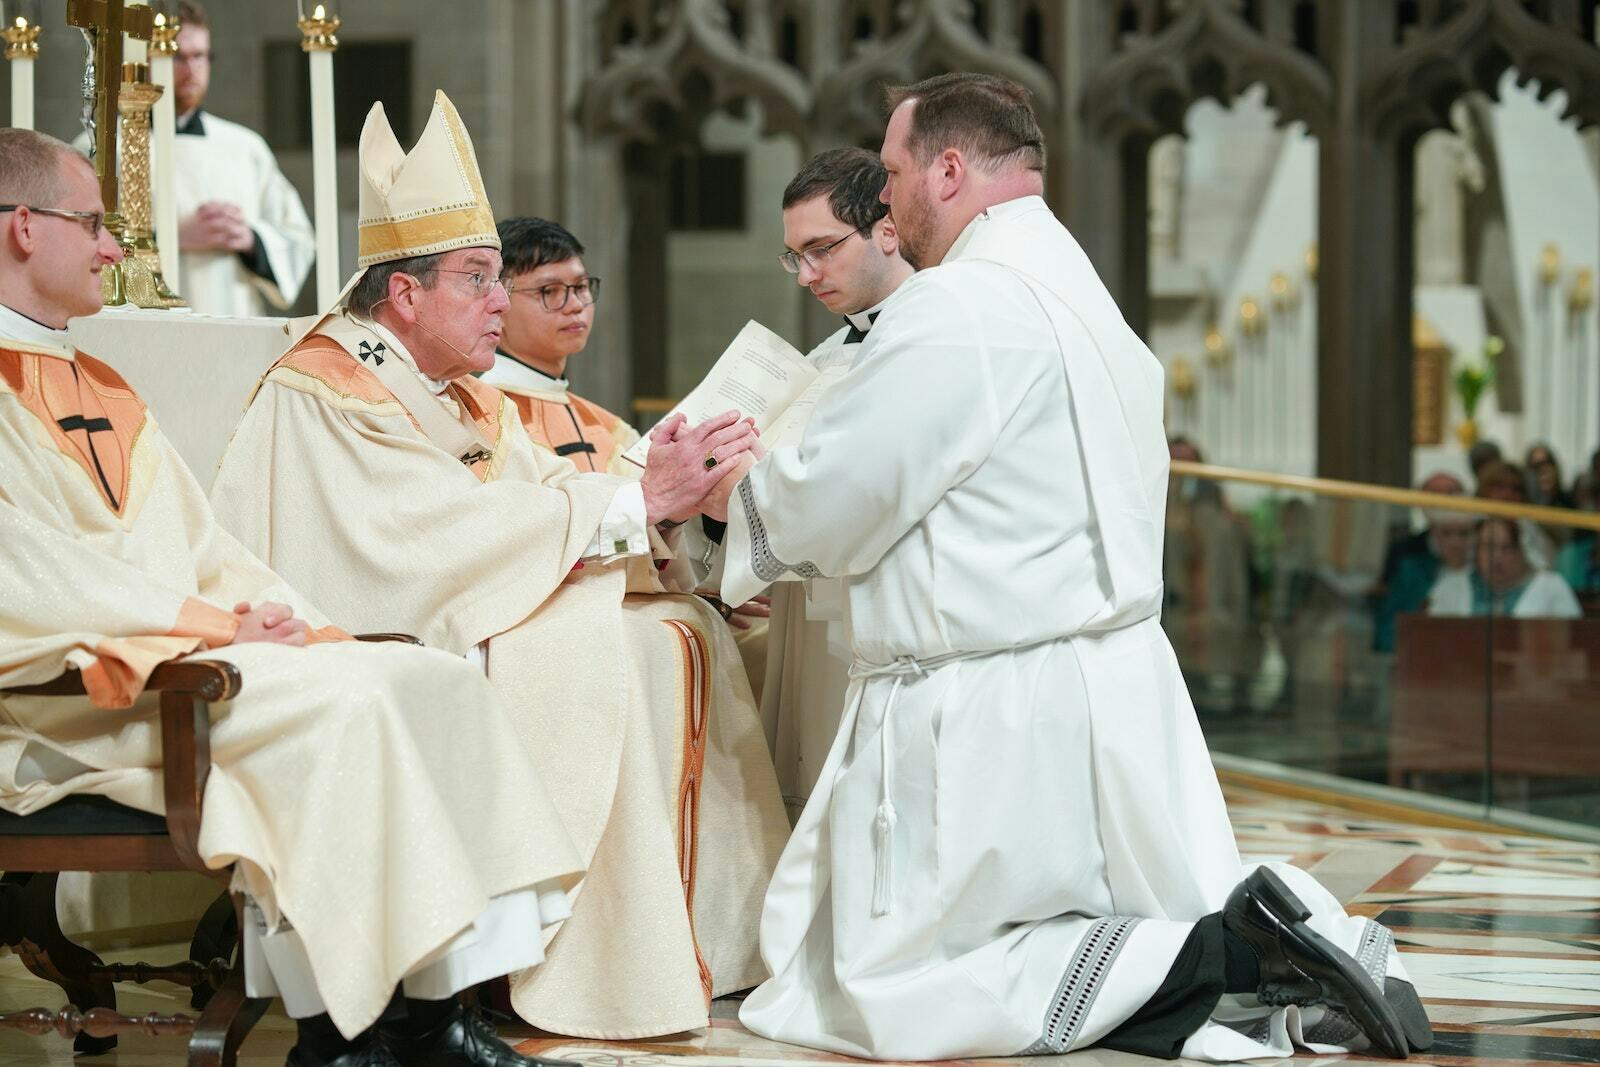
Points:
(133, 49)
(163, 171)
(22, 93)
(324, 165)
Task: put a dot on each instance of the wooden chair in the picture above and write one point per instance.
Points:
(89, 833)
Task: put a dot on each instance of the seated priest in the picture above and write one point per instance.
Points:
(372, 467)
(553, 297)
(393, 837)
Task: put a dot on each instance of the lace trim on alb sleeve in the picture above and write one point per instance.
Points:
(767, 567)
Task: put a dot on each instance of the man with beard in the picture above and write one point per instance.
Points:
(1017, 844)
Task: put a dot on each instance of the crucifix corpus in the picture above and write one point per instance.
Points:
(103, 23)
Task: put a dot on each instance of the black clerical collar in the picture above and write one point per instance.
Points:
(859, 322)
(193, 125)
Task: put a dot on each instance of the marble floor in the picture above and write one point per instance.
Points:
(1501, 933)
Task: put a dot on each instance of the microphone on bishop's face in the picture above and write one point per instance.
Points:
(431, 332)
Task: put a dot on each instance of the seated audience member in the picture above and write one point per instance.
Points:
(1480, 455)
(1503, 481)
(1417, 543)
(1579, 563)
(1544, 478)
(387, 826)
(1586, 486)
(372, 467)
(1447, 549)
(1504, 581)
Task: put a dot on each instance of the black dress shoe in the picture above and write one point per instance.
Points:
(369, 1054)
(464, 1041)
(1300, 966)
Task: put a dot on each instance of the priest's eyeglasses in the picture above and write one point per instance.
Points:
(92, 221)
(554, 296)
(482, 282)
(816, 256)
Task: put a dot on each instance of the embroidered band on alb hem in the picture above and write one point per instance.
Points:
(1080, 985)
(767, 567)
(1373, 955)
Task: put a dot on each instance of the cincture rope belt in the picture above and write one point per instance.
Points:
(884, 821)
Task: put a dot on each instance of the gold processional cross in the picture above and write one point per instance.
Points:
(112, 90)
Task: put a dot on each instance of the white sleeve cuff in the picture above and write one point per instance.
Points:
(623, 531)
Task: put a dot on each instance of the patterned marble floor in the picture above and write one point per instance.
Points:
(1501, 933)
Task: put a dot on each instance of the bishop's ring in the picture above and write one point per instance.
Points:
(711, 460)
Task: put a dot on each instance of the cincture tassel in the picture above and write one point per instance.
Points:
(883, 822)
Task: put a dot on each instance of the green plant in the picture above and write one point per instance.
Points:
(1472, 380)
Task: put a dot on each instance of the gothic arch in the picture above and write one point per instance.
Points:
(940, 35)
(695, 47)
(1208, 49)
(1470, 51)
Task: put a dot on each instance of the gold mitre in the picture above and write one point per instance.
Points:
(431, 200)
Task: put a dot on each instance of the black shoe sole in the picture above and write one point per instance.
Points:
(1402, 998)
(1357, 994)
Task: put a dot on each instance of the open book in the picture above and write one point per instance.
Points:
(764, 378)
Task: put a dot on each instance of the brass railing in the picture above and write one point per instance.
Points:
(1382, 494)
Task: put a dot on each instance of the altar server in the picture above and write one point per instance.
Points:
(383, 817)
(1017, 844)
(245, 244)
(372, 467)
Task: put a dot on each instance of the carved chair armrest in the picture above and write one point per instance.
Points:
(188, 688)
(404, 639)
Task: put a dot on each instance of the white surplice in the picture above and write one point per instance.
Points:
(1018, 822)
(226, 161)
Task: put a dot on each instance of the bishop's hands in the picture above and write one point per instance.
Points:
(678, 484)
(216, 226)
(270, 622)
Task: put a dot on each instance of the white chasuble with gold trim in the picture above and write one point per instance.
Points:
(633, 707)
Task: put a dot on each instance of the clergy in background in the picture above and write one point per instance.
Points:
(382, 815)
(372, 467)
(552, 298)
(245, 244)
(1017, 844)
(551, 313)
(842, 246)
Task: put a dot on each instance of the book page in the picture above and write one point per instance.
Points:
(790, 427)
(759, 374)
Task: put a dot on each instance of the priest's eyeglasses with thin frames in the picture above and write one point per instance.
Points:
(482, 282)
(817, 255)
(93, 221)
(554, 296)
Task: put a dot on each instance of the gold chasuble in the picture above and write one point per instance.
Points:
(112, 563)
(634, 707)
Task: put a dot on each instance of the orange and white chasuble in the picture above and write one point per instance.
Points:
(112, 564)
(634, 707)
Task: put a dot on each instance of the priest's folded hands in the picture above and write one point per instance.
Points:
(688, 464)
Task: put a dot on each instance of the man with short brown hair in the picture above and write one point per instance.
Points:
(1018, 844)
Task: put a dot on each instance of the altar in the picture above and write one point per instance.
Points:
(195, 372)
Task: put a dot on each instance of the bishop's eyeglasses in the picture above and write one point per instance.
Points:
(93, 221)
(554, 296)
(816, 256)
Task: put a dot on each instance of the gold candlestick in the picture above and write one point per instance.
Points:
(164, 32)
(137, 279)
(319, 29)
(22, 39)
